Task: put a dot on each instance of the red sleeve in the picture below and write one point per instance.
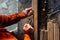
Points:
(12, 19)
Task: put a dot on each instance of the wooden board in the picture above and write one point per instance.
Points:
(50, 28)
(34, 6)
(53, 30)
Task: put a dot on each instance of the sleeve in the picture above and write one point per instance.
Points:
(12, 19)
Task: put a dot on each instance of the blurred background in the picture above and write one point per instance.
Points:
(9, 7)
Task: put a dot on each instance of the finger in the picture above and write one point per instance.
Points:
(30, 13)
(27, 9)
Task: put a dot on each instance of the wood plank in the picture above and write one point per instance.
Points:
(56, 31)
(53, 30)
(34, 6)
(50, 28)
(44, 34)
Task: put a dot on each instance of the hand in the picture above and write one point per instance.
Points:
(28, 28)
(28, 11)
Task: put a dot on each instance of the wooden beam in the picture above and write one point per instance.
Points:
(34, 6)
